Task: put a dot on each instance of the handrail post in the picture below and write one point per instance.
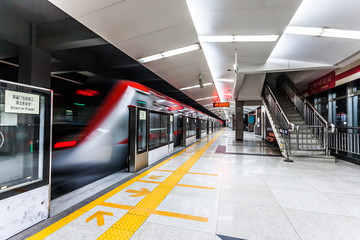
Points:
(326, 140)
(336, 140)
(297, 138)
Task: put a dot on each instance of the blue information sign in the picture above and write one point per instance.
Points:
(283, 131)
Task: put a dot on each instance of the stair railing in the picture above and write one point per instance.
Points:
(316, 123)
(279, 116)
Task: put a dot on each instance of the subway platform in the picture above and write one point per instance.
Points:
(220, 189)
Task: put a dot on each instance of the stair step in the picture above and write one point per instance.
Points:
(295, 152)
(329, 159)
(309, 136)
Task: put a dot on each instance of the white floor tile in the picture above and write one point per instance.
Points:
(319, 226)
(254, 222)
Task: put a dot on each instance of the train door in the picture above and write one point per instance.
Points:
(207, 127)
(198, 128)
(178, 134)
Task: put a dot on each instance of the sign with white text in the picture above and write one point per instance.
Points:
(19, 102)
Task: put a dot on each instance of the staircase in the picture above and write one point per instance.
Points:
(307, 137)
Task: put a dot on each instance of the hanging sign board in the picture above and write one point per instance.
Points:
(221, 104)
(19, 102)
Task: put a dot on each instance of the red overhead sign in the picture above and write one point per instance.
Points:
(221, 104)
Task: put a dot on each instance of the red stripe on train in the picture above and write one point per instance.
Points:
(125, 141)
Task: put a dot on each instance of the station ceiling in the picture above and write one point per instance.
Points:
(261, 37)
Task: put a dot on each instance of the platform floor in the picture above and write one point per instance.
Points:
(223, 189)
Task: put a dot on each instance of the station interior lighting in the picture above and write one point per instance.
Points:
(323, 32)
(170, 53)
(196, 86)
(199, 99)
(224, 80)
(239, 38)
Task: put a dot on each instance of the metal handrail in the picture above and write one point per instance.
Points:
(357, 128)
(310, 114)
(302, 97)
(290, 124)
(279, 117)
(345, 142)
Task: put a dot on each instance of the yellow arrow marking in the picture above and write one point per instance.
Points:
(99, 217)
(153, 177)
(143, 192)
(68, 219)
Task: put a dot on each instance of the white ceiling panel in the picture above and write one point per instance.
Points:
(78, 8)
(251, 87)
(328, 13)
(187, 75)
(177, 36)
(131, 19)
(224, 17)
(169, 63)
(141, 28)
(315, 49)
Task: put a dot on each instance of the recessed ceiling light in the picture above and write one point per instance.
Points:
(309, 31)
(224, 80)
(338, 33)
(170, 53)
(196, 86)
(199, 99)
(239, 38)
(323, 32)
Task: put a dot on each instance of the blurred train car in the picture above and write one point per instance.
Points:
(90, 130)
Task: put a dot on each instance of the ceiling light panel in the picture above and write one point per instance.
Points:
(200, 99)
(170, 53)
(196, 86)
(339, 33)
(323, 32)
(239, 38)
(225, 80)
(309, 31)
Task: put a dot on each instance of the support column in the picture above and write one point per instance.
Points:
(233, 122)
(34, 67)
(239, 130)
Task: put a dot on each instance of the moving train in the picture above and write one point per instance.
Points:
(91, 125)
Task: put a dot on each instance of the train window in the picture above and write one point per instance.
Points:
(74, 110)
(203, 126)
(190, 127)
(171, 128)
(142, 131)
(158, 132)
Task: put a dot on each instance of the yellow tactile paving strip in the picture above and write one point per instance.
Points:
(205, 174)
(179, 185)
(158, 212)
(126, 226)
(135, 217)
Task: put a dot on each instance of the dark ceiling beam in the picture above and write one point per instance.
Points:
(14, 29)
(8, 50)
(60, 68)
(66, 34)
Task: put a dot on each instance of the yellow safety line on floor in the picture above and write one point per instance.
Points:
(158, 212)
(206, 174)
(64, 221)
(179, 185)
(127, 225)
(71, 217)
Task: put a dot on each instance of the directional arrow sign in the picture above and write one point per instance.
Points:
(153, 177)
(143, 192)
(99, 215)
